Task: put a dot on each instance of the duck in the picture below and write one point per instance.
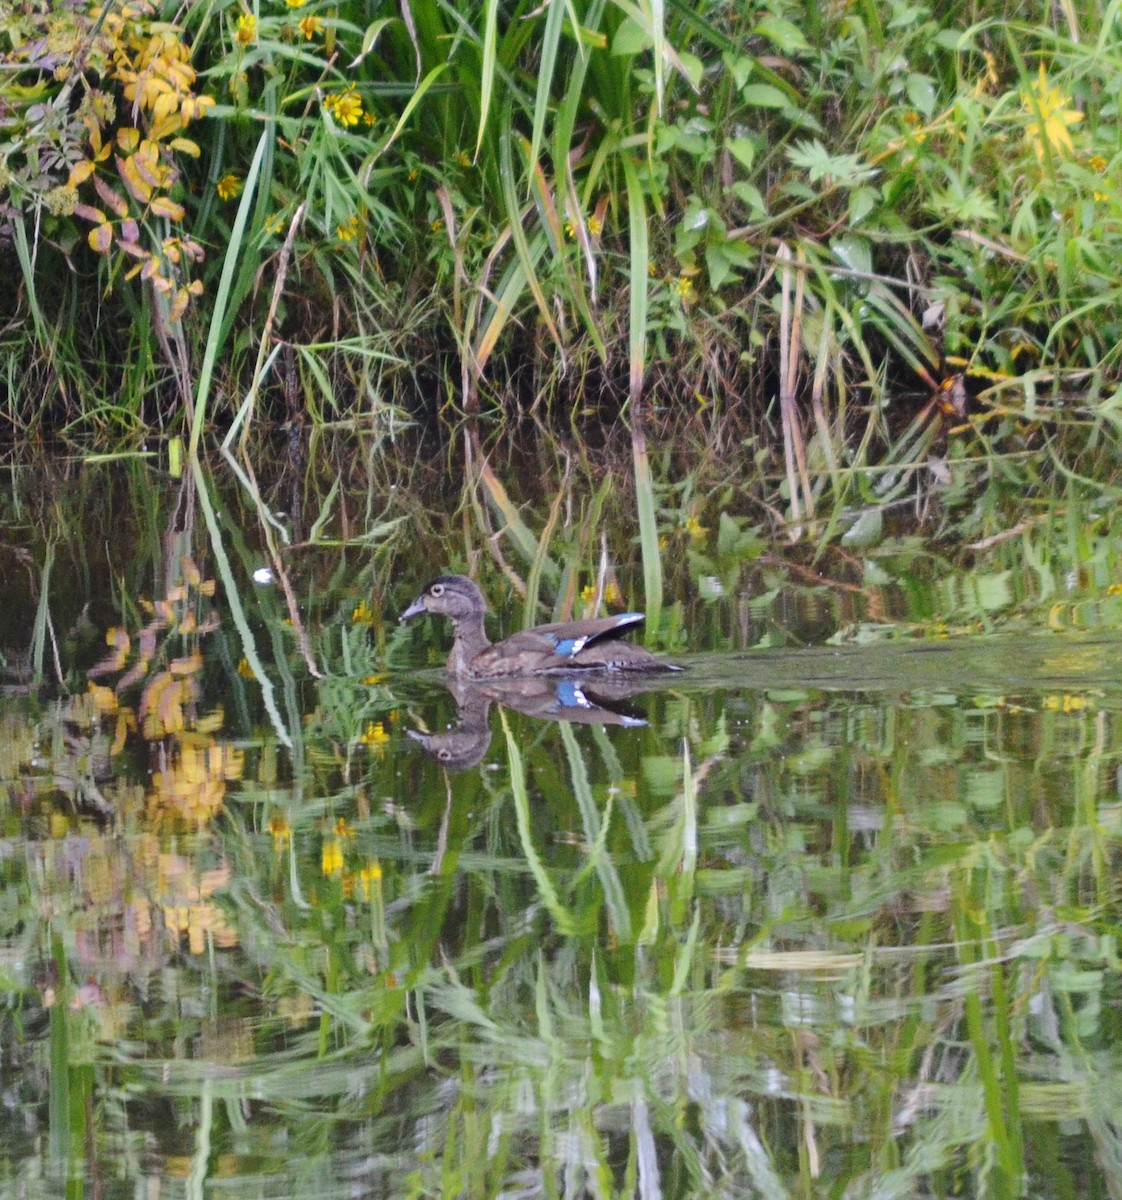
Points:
(589, 645)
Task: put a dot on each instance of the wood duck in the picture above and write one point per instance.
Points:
(570, 646)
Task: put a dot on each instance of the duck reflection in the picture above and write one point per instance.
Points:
(591, 701)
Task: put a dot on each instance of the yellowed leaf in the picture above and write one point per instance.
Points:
(100, 239)
(164, 206)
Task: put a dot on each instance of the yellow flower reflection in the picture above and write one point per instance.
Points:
(374, 735)
(331, 860)
(368, 877)
(281, 831)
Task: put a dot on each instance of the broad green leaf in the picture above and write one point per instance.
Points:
(630, 39)
(782, 33)
(743, 149)
(921, 92)
(764, 95)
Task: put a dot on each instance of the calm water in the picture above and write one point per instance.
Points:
(834, 912)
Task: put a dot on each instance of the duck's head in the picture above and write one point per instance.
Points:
(454, 596)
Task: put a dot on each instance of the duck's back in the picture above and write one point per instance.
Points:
(587, 645)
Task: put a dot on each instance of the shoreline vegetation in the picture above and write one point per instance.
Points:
(863, 236)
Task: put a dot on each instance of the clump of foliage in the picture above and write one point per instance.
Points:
(817, 203)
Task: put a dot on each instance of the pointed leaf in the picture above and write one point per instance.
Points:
(164, 206)
(111, 199)
(139, 188)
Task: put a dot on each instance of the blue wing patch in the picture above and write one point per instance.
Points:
(570, 647)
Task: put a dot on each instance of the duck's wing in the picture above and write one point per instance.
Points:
(590, 645)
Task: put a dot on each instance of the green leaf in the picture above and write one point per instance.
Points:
(921, 92)
(862, 201)
(782, 33)
(743, 149)
(854, 253)
(751, 197)
(764, 95)
(630, 39)
(813, 157)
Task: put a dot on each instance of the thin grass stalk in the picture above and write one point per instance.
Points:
(817, 387)
(42, 615)
(541, 557)
(551, 40)
(520, 534)
(27, 266)
(58, 1105)
(596, 838)
(567, 924)
(245, 413)
(799, 437)
(487, 72)
(790, 327)
(237, 613)
(637, 326)
(648, 530)
(222, 299)
(516, 216)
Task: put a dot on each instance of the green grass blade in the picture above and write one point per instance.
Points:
(566, 923)
(648, 531)
(637, 329)
(487, 75)
(222, 299)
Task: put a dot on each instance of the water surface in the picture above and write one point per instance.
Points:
(832, 912)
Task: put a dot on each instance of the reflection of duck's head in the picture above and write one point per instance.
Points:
(457, 748)
(586, 646)
(588, 701)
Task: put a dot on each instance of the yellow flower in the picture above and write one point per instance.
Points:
(345, 107)
(296, 3)
(310, 26)
(361, 614)
(369, 875)
(463, 158)
(342, 829)
(247, 29)
(331, 860)
(228, 186)
(274, 224)
(695, 528)
(244, 669)
(1097, 163)
(347, 232)
(437, 225)
(595, 225)
(375, 734)
(1050, 118)
(685, 286)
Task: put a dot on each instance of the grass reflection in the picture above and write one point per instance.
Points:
(837, 921)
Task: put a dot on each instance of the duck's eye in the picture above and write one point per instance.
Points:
(437, 589)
